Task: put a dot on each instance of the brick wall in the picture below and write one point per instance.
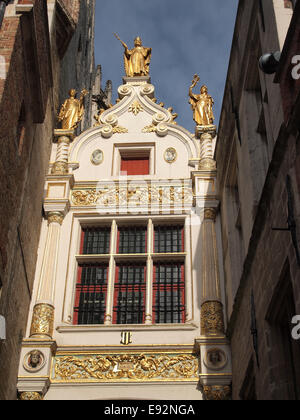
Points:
(27, 120)
(269, 264)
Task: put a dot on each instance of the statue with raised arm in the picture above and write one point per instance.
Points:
(72, 110)
(201, 104)
(137, 60)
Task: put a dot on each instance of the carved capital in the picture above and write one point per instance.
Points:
(207, 163)
(55, 217)
(31, 396)
(42, 321)
(212, 319)
(210, 214)
(60, 168)
(217, 393)
(211, 130)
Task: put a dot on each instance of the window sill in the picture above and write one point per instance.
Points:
(132, 327)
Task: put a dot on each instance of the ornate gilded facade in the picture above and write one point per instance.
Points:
(129, 285)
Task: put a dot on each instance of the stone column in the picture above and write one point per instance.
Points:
(212, 345)
(212, 320)
(61, 165)
(206, 136)
(43, 313)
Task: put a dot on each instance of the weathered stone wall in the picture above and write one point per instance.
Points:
(29, 92)
(255, 153)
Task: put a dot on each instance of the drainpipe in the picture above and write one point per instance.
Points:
(3, 4)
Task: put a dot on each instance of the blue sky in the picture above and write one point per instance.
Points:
(186, 37)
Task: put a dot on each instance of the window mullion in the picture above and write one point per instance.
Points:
(111, 275)
(149, 274)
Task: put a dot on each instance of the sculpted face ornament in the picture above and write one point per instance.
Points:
(34, 361)
(215, 359)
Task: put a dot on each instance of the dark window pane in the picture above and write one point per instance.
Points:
(168, 293)
(91, 295)
(96, 241)
(168, 239)
(132, 240)
(130, 289)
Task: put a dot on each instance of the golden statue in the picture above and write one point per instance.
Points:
(137, 60)
(72, 110)
(201, 104)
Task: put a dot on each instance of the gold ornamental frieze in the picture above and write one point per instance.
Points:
(141, 367)
(133, 195)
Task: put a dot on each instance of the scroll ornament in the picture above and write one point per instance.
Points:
(212, 321)
(135, 367)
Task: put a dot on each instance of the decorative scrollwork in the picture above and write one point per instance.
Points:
(212, 320)
(126, 367)
(133, 195)
(136, 108)
(42, 320)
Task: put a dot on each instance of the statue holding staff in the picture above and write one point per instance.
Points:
(201, 104)
(137, 60)
(72, 110)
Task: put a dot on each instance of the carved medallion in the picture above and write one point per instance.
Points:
(34, 361)
(215, 359)
(170, 155)
(97, 157)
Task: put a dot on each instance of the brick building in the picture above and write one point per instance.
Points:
(257, 154)
(39, 40)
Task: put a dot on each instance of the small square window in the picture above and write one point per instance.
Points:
(135, 166)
